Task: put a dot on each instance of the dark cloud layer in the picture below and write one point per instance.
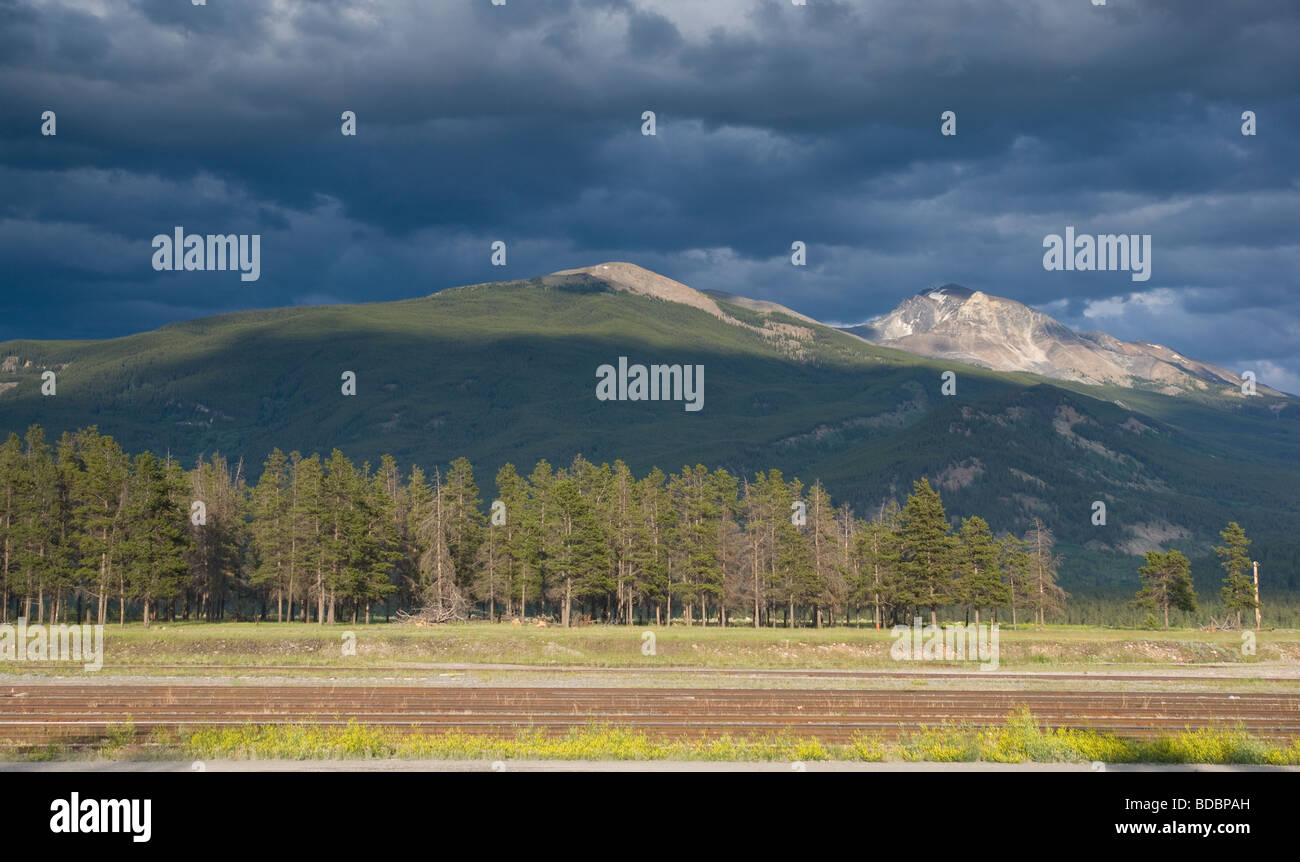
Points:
(775, 123)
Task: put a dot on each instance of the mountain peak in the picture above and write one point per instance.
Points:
(954, 322)
(969, 326)
(950, 290)
(620, 275)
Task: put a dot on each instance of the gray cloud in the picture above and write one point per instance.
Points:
(776, 123)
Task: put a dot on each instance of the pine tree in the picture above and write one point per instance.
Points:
(397, 500)
(539, 517)
(980, 582)
(464, 521)
(492, 562)
(1045, 595)
(97, 471)
(655, 519)
(877, 552)
(308, 520)
(576, 552)
(156, 538)
(361, 539)
(414, 576)
(513, 494)
(11, 487)
(926, 547)
(1238, 587)
(339, 527)
(438, 568)
(219, 541)
(378, 548)
(40, 510)
(794, 560)
(767, 503)
(1014, 560)
(824, 545)
(730, 543)
(623, 523)
(272, 528)
(596, 486)
(694, 498)
(1166, 583)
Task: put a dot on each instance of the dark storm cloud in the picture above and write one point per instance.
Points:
(776, 123)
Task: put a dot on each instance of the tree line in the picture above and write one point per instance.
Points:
(89, 532)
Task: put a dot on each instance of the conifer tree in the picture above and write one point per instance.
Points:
(576, 553)
(464, 521)
(650, 553)
(926, 551)
(11, 488)
(1014, 560)
(156, 538)
(980, 584)
(513, 494)
(1166, 583)
(219, 541)
(878, 556)
(1045, 595)
(1234, 554)
(271, 529)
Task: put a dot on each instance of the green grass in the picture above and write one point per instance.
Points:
(251, 646)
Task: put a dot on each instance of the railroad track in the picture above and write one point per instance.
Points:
(825, 673)
(83, 714)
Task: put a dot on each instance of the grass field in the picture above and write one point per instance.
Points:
(485, 654)
(247, 645)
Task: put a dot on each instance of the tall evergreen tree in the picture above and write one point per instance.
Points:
(1234, 555)
(310, 552)
(878, 556)
(926, 550)
(823, 588)
(11, 489)
(512, 491)
(36, 531)
(271, 529)
(1166, 583)
(219, 542)
(980, 583)
(655, 520)
(464, 521)
(156, 541)
(1015, 561)
(576, 553)
(767, 516)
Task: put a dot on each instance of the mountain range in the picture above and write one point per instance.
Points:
(953, 322)
(1044, 421)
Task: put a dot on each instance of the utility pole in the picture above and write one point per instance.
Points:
(1257, 624)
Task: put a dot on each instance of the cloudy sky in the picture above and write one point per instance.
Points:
(775, 123)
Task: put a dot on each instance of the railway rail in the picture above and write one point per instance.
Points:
(83, 714)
